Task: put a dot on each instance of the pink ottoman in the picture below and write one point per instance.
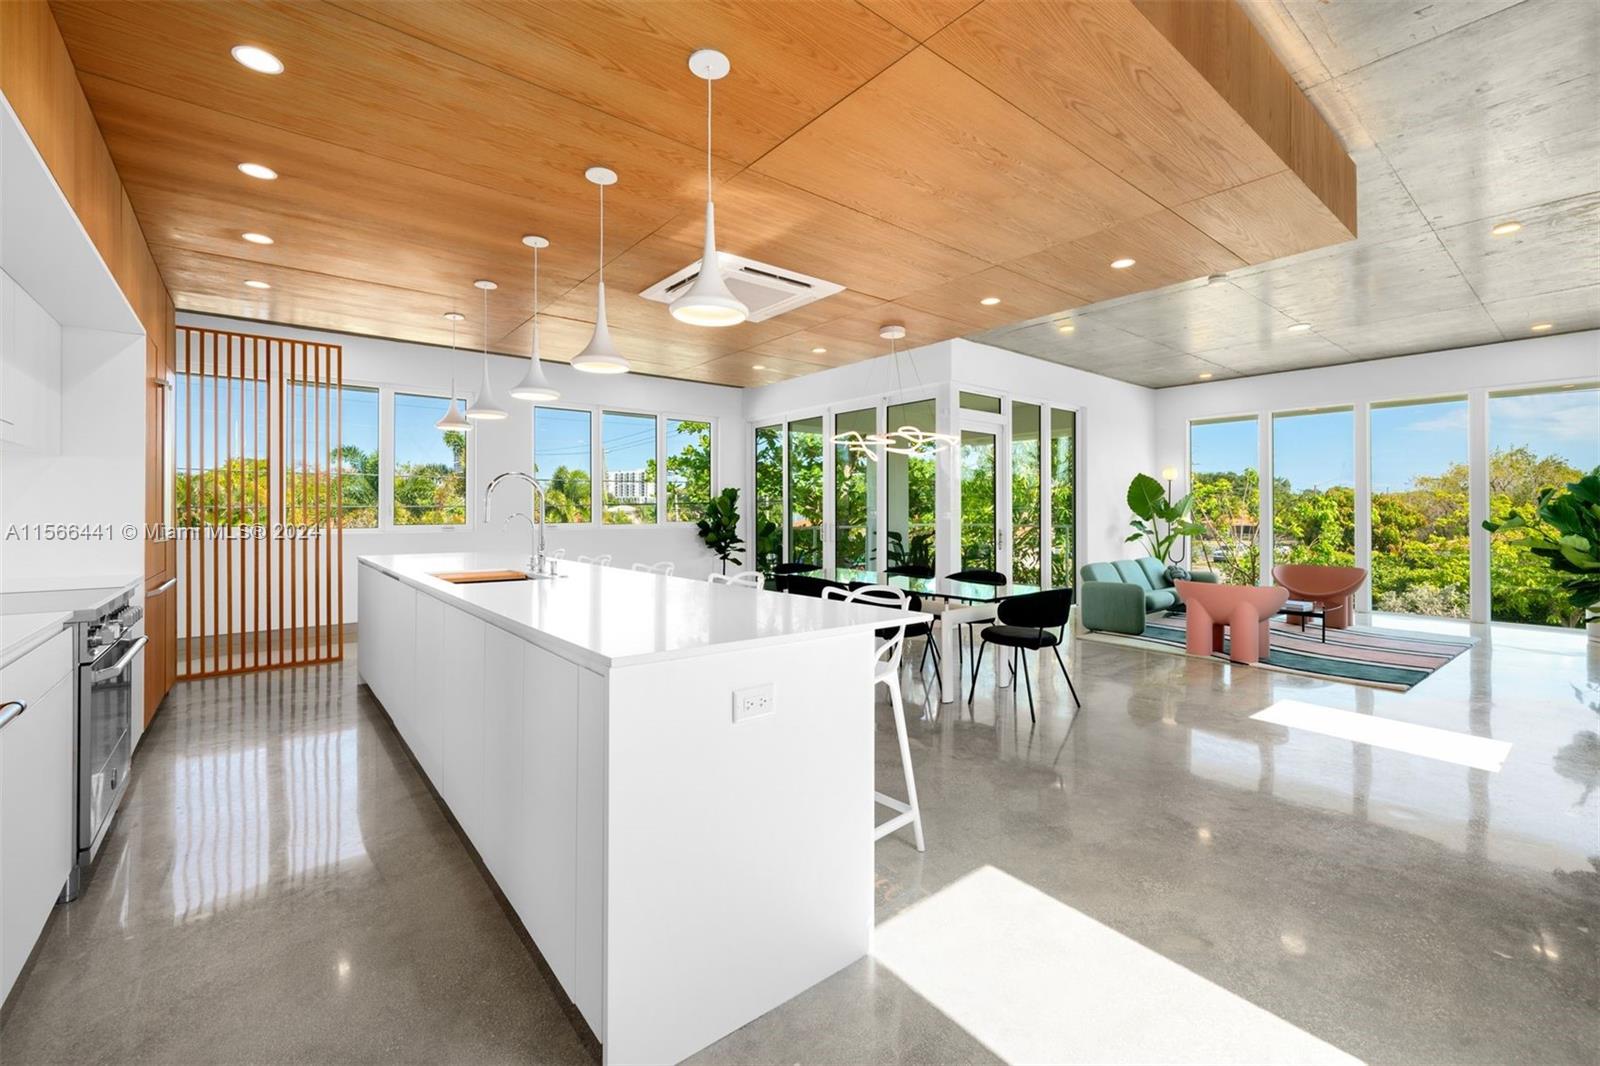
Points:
(1246, 610)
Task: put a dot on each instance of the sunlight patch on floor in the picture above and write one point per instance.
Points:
(1036, 981)
(1463, 749)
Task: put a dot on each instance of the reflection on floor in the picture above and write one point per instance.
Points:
(282, 886)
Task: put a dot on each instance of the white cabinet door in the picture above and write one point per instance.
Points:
(550, 813)
(369, 628)
(36, 777)
(462, 712)
(429, 698)
(504, 776)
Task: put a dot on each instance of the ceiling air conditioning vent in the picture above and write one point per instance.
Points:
(768, 291)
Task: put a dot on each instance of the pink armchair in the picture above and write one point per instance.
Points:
(1246, 610)
(1329, 587)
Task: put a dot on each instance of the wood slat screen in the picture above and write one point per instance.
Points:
(258, 485)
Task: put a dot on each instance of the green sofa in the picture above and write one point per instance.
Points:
(1115, 597)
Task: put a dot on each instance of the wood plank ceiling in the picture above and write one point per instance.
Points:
(925, 154)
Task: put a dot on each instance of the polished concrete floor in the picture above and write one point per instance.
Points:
(1169, 880)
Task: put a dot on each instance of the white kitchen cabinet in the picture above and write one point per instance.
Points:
(30, 372)
(462, 716)
(36, 779)
(430, 692)
(550, 810)
(505, 773)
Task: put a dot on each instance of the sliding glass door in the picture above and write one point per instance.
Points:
(1225, 482)
(1421, 559)
(1063, 497)
(855, 494)
(980, 545)
(805, 490)
(910, 492)
(1538, 439)
(768, 532)
(1026, 510)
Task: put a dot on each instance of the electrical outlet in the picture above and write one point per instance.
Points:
(754, 702)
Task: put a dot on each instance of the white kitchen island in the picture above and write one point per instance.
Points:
(685, 858)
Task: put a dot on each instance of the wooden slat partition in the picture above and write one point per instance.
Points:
(260, 560)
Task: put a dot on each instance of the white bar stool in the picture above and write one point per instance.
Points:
(664, 569)
(886, 671)
(753, 579)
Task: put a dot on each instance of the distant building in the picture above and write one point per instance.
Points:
(629, 486)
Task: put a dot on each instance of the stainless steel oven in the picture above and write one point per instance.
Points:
(109, 649)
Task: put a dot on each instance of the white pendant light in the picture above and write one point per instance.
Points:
(709, 302)
(533, 385)
(483, 408)
(600, 355)
(453, 418)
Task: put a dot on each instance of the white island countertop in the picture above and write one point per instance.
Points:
(606, 616)
(21, 633)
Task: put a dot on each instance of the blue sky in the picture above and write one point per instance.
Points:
(416, 440)
(1407, 441)
(561, 438)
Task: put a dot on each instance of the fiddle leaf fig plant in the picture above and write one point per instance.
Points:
(719, 528)
(1564, 530)
(1158, 521)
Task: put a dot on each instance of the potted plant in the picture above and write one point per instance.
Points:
(1158, 521)
(719, 528)
(1564, 530)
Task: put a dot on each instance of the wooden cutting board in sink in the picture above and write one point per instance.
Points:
(474, 577)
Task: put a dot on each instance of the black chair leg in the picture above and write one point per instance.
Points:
(926, 648)
(1066, 675)
(974, 689)
(938, 671)
(1027, 681)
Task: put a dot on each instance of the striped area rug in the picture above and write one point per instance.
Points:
(1362, 655)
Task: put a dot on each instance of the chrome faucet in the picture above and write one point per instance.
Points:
(537, 560)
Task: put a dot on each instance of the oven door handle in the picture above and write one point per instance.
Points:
(117, 667)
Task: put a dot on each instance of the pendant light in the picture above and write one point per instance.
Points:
(452, 417)
(904, 440)
(533, 385)
(483, 408)
(600, 355)
(708, 302)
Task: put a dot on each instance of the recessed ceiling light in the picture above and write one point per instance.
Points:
(1205, 375)
(256, 238)
(1121, 264)
(989, 301)
(1299, 327)
(257, 285)
(1066, 327)
(258, 59)
(757, 366)
(1505, 229)
(256, 170)
(1542, 327)
(819, 351)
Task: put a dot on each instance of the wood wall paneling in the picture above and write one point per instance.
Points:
(39, 81)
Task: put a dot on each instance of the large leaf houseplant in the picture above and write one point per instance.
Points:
(1564, 530)
(1157, 521)
(719, 528)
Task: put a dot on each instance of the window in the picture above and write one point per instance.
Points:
(1063, 497)
(1419, 508)
(628, 460)
(1226, 486)
(1313, 487)
(688, 469)
(430, 465)
(855, 499)
(1025, 471)
(978, 460)
(1538, 439)
(909, 497)
(223, 474)
(805, 490)
(562, 461)
(769, 495)
(977, 401)
(357, 458)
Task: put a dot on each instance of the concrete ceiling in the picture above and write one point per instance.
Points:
(1459, 115)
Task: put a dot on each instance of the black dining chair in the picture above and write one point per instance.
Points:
(977, 577)
(806, 585)
(910, 571)
(784, 571)
(1024, 625)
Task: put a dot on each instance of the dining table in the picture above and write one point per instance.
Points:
(966, 601)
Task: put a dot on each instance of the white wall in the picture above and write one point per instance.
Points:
(1115, 421)
(499, 446)
(1472, 372)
